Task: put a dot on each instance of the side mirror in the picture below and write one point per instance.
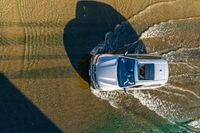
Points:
(126, 53)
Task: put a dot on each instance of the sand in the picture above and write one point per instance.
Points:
(39, 58)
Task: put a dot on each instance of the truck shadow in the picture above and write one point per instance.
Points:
(94, 20)
(18, 114)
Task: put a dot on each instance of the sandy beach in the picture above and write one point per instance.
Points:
(44, 55)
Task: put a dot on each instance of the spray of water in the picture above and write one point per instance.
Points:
(167, 101)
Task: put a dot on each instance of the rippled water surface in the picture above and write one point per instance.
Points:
(178, 101)
(45, 47)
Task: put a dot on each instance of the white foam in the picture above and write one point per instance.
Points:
(163, 108)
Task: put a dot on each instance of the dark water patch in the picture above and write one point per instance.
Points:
(56, 72)
(18, 114)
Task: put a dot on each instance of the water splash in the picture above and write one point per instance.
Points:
(170, 102)
(123, 38)
(184, 90)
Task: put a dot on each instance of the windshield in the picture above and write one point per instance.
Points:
(126, 72)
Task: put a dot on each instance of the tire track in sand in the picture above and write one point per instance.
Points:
(36, 34)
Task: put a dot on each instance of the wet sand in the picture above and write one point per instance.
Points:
(43, 43)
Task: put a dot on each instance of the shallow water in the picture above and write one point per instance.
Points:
(178, 101)
(44, 48)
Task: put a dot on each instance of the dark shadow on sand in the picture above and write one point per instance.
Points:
(18, 114)
(82, 34)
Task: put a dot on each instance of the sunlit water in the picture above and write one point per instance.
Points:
(179, 100)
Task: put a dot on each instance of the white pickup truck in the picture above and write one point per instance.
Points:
(110, 72)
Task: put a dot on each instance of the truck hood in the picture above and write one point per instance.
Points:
(106, 71)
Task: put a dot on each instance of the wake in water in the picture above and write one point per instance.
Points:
(172, 102)
(122, 39)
